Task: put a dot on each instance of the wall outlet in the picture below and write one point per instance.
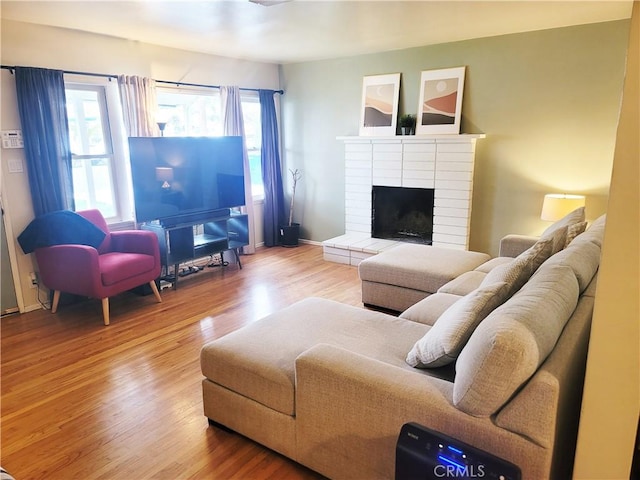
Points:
(33, 278)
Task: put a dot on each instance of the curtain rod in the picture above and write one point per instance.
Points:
(167, 82)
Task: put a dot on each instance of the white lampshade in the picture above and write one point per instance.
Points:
(557, 205)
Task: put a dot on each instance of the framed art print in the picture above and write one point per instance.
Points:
(379, 114)
(440, 106)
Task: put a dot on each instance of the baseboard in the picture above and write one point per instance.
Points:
(310, 242)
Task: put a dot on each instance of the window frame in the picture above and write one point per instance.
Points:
(113, 128)
(253, 97)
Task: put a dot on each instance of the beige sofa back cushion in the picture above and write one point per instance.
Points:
(463, 284)
(510, 344)
(429, 309)
(486, 267)
(583, 258)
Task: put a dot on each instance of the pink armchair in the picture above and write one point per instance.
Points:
(124, 260)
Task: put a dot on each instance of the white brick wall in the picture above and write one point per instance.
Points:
(442, 162)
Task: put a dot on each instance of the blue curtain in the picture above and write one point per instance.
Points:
(45, 130)
(274, 208)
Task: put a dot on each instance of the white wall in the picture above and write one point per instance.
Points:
(38, 46)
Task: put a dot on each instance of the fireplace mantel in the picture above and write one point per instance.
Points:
(462, 138)
(442, 162)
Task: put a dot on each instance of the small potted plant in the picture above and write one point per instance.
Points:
(407, 124)
(290, 233)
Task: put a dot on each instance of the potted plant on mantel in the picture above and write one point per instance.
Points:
(290, 233)
(407, 124)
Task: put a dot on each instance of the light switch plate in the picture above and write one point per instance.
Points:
(15, 166)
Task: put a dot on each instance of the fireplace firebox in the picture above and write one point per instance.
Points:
(403, 214)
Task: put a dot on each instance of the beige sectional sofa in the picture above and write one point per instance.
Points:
(494, 358)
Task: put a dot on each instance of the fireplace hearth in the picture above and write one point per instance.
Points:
(403, 214)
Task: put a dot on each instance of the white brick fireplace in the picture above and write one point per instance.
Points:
(441, 162)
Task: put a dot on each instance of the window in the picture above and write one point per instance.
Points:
(199, 113)
(190, 113)
(253, 137)
(91, 150)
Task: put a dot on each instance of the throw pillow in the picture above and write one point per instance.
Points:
(595, 232)
(443, 343)
(519, 270)
(573, 231)
(570, 218)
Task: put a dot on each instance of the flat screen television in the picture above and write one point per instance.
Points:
(179, 178)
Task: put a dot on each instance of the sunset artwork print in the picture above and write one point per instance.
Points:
(440, 101)
(439, 107)
(379, 104)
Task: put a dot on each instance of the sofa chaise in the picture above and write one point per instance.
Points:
(495, 358)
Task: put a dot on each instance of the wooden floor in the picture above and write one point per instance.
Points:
(82, 400)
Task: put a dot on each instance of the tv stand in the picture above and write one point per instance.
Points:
(222, 231)
(194, 218)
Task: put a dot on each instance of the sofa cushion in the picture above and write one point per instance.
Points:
(258, 360)
(486, 267)
(463, 284)
(442, 344)
(117, 266)
(576, 216)
(419, 267)
(429, 309)
(582, 257)
(536, 409)
(510, 344)
(519, 270)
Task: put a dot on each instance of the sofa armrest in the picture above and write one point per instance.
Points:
(350, 409)
(513, 245)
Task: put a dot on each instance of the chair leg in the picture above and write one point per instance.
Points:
(56, 299)
(154, 287)
(105, 310)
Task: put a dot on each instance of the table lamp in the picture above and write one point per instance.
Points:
(557, 205)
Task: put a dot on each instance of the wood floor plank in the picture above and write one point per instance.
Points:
(88, 401)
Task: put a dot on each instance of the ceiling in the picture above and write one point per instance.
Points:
(304, 30)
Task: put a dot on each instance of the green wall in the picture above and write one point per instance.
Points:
(548, 102)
